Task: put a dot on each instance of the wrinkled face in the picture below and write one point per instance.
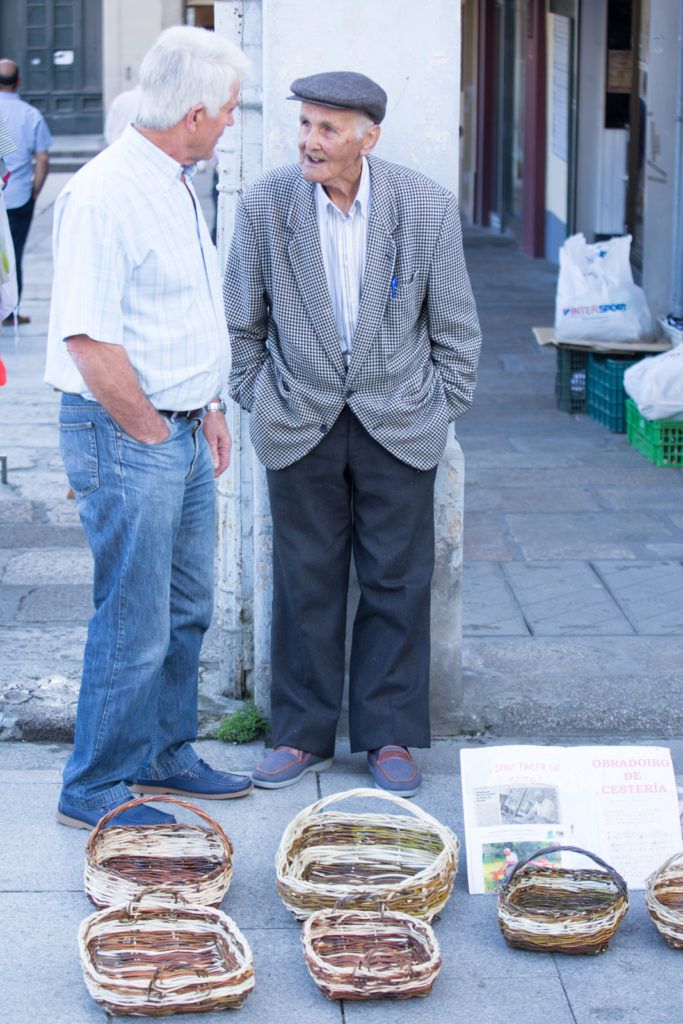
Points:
(330, 150)
(210, 129)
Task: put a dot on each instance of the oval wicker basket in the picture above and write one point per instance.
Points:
(358, 954)
(561, 910)
(156, 960)
(407, 864)
(191, 860)
(664, 899)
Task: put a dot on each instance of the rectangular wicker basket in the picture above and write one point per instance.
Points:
(156, 960)
(358, 954)
(561, 910)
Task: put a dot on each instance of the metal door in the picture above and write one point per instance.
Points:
(58, 46)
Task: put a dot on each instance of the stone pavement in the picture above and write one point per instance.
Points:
(573, 592)
(573, 574)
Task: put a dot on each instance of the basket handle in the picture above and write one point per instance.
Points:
(135, 802)
(615, 876)
(376, 794)
(650, 880)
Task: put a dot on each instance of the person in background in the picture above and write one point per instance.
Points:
(28, 164)
(137, 343)
(8, 277)
(355, 343)
(122, 112)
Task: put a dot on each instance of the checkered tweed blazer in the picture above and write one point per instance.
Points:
(415, 352)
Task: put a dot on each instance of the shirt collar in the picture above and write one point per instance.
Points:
(164, 167)
(361, 203)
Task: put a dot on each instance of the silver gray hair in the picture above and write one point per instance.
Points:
(187, 66)
(363, 122)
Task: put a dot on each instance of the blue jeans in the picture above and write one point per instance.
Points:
(148, 515)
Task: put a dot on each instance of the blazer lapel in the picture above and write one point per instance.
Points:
(309, 272)
(379, 265)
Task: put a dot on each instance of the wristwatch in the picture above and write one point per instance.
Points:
(217, 405)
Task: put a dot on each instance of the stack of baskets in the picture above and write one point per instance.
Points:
(158, 944)
(561, 910)
(366, 887)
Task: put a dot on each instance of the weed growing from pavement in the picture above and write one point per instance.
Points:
(243, 725)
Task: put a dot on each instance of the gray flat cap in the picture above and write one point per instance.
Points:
(343, 90)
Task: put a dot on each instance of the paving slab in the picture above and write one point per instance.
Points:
(564, 599)
(54, 603)
(650, 594)
(588, 535)
(489, 604)
(51, 566)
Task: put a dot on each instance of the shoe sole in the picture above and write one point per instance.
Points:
(64, 819)
(394, 792)
(183, 792)
(319, 767)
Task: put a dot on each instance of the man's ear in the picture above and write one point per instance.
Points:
(193, 117)
(370, 139)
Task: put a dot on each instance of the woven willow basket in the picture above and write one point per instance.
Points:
(358, 954)
(407, 864)
(664, 899)
(561, 910)
(156, 960)
(191, 860)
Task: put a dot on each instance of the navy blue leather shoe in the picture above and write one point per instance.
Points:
(200, 780)
(142, 815)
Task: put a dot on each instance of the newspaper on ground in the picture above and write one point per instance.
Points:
(620, 803)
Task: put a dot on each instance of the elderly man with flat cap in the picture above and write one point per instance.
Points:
(355, 343)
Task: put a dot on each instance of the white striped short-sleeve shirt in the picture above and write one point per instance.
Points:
(344, 240)
(135, 266)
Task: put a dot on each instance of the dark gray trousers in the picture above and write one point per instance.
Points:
(350, 495)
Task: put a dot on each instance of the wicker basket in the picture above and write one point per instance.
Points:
(358, 954)
(407, 864)
(664, 898)
(156, 960)
(190, 860)
(561, 910)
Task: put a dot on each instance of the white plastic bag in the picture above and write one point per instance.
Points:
(656, 385)
(8, 276)
(596, 296)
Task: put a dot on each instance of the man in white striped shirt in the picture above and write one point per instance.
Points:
(137, 344)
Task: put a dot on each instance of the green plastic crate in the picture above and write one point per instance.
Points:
(661, 441)
(570, 380)
(605, 395)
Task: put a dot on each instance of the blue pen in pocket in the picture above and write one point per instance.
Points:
(393, 287)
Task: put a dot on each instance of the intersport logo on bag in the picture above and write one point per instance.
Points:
(610, 307)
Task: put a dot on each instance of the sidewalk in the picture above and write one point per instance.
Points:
(573, 598)
(482, 981)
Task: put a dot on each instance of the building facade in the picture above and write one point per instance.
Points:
(571, 123)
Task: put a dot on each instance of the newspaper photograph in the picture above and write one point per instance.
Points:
(619, 803)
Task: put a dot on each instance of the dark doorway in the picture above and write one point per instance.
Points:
(58, 46)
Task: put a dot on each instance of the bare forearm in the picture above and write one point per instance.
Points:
(110, 377)
(40, 168)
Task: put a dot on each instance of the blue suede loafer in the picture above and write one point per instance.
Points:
(200, 780)
(394, 770)
(142, 815)
(286, 765)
